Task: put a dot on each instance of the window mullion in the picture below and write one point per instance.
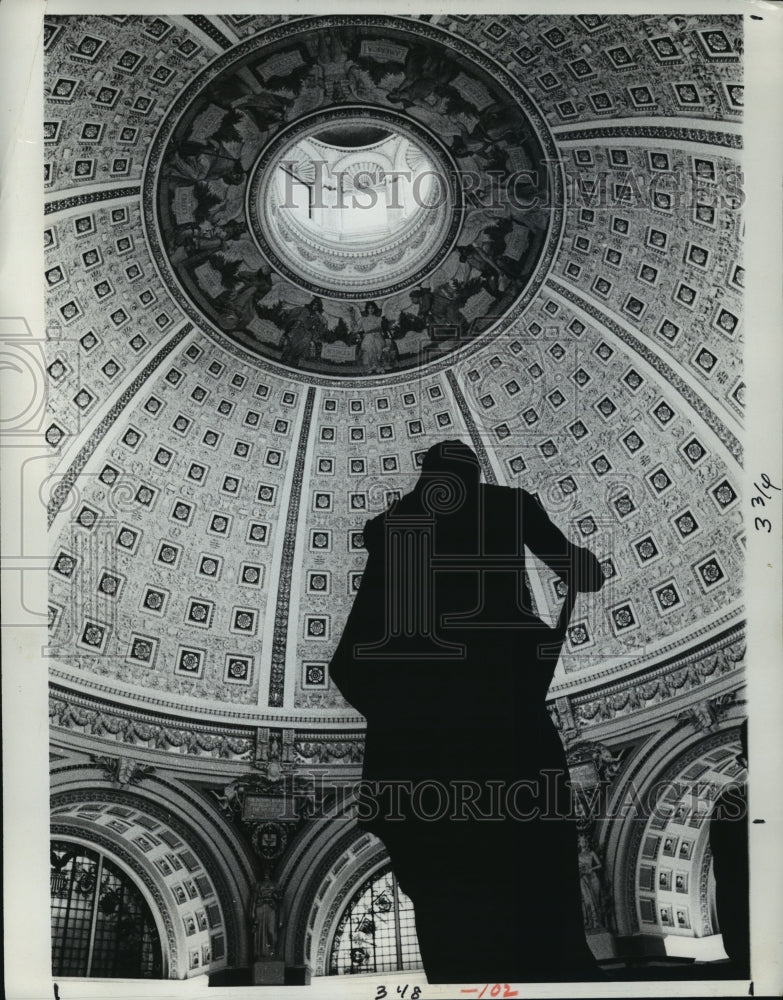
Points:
(375, 931)
(350, 939)
(397, 931)
(66, 922)
(122, 906)
(94, 919)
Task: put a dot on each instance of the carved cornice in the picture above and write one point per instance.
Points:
(95, 718)
(665, 682)
(342, 749)
(162, 703)
(122, 770)
(706, 661)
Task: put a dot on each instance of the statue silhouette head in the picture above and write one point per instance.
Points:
(450, 474)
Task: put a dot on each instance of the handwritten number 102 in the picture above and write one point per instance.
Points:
(497, 990)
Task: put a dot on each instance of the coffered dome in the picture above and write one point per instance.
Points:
(229, 487)
(286, 255)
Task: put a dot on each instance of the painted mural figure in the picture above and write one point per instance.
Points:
(243, 290)
(369, 325)
(466, 780)
(305, 333)
(478, 260)
(426, 74)
(264, 109)
(439, 307)
(203, 161)
(336, 72)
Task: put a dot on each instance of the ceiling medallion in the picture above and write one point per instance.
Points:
(351, 197)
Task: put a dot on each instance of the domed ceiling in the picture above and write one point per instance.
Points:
(220, 429)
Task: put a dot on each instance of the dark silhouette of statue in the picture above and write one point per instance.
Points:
(729, 846)
(465, 777)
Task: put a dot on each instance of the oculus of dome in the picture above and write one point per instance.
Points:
(347, 222)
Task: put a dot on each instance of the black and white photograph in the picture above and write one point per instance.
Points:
(391, 498)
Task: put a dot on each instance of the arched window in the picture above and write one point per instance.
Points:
(377, 931)
(101, 924)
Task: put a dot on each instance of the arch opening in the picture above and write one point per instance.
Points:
(102, 926)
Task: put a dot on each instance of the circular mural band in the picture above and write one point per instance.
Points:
(353, 196)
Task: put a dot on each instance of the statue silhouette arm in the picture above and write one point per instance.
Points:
(577, 565)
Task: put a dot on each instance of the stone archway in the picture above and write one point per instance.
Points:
(661, 861)
(192, 867)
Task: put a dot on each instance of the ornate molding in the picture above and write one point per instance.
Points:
(163, 703)
(705, 715)
(704, 898)
(338, 904)
(625, 897)
(658, 685)
(327, 748)
(604, 765)
(207, 26)
(280, 632)
(317, 890)
(123, 771)
(268, 812)
(91, 198)
(680, 644)
(416, 28)
(93, 718)
(661, 133)
(476, 438)
(231, 910)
